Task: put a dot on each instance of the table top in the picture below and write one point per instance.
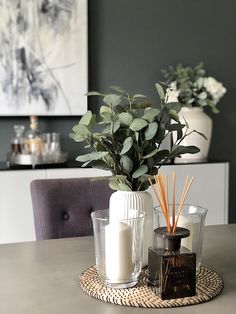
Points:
(42, 277)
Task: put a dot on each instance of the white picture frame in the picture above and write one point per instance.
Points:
(43, 57)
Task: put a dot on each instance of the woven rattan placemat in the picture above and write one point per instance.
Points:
(209, 285)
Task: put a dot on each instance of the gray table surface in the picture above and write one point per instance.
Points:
(41, 277)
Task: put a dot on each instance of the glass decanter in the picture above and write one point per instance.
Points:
(33, 142)
(18, 140)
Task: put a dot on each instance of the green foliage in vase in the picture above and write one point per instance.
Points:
(191, 88)
(132, 131)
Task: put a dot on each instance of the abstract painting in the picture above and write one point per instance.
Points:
(43, 57)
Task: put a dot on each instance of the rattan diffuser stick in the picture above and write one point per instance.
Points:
(161, 190)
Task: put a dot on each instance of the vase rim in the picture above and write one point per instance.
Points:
(131, 192)
(184, 108)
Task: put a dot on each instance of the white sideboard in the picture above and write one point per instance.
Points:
(210, 190)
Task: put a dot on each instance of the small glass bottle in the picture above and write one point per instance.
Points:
(17, 140)
(172, 269)
(33, 141)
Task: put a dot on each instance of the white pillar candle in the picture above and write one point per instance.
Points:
(191, 223)
(118, 252)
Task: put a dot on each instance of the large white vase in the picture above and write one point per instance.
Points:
(200, 121)
(123, 201)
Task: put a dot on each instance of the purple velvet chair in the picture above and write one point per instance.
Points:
(62, 207)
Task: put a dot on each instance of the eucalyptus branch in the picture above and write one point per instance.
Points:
(116, 162)
(122, 149)
(184, 136)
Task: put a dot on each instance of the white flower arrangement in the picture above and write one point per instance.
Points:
(191, 88)
(214, 88)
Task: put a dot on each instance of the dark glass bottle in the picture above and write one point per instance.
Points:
(17, 140)
(171, 269)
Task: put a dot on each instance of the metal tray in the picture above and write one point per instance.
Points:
(33, 160)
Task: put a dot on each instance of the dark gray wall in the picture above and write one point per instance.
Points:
(131, 41)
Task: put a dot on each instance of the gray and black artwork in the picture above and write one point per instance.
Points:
(43, 57)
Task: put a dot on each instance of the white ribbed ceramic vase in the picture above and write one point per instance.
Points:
(120, 204)
(200, 121)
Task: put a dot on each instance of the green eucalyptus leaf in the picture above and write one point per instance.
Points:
(76, 137)
(200, 82)
(202, 102)
(116, 125)
(160, 133)
(144, 178)
(125, 118)
(160, 91)
(97, 136)
(162, 154)
(121, 135)
(144, 186)
(151, 131)
(81, 130)
(106, 116)
(173, 106)
(175, 127)
(105, 109)
(180, 150)
(202, 95)
(86, 118)
(92, 121)
(139, 96)
(147, 109)
(107, 129)
(100, 164)
(105, 113)
(121, 177)
(150, 163)
(112, 100)
(126, 163)
(151, 154)
(85, 164)
(140, 171)
(215, 109)
(91, 156)
(114, 183)
(124, 187)
(191, 100)
(138, 124)
(151, 114)
(118, 89)
(173, 115)
(127, 145)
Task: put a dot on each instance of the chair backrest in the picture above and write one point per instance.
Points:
(62, 207)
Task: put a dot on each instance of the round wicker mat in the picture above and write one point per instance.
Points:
(209, 285)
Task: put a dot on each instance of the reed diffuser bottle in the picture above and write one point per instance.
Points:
(171, 269)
